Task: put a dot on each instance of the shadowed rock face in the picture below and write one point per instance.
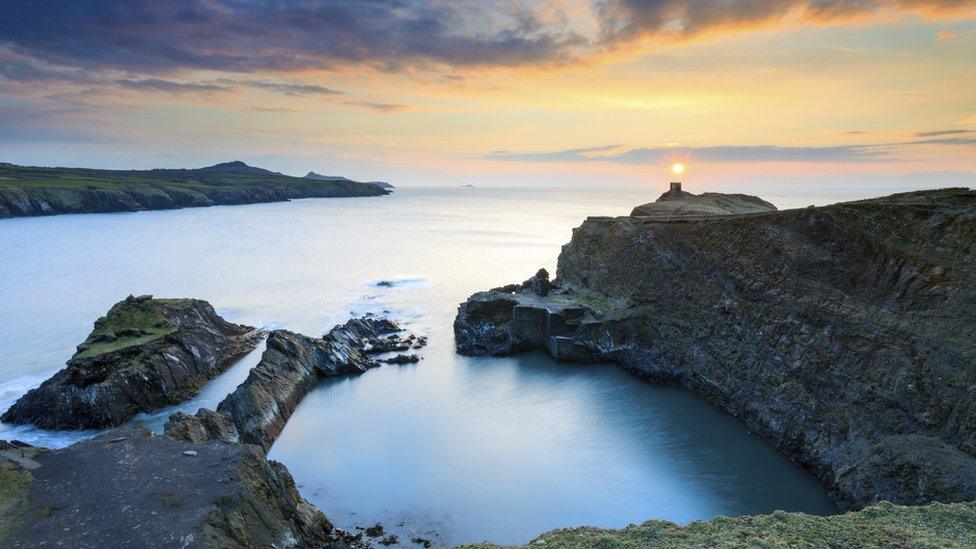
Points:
(143, 355)
(844, 335)
(256, 412)
(677, 203)
(128, 488)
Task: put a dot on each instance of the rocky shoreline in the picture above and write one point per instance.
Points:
(256, 412)
(207, 483)
(842, 335)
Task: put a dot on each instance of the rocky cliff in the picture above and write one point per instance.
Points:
(844, 335)
(29, 191)
(144, 354)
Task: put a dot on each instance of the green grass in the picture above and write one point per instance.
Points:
(883, 525)
(142, 316)
(81, 178)
(598, 302)
(13, 497)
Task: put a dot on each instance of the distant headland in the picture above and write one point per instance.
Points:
(32, 191)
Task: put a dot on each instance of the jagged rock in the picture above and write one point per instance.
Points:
(144, 354)
(843, 335)
(292, 364)
(402, 359)
(205, 425)
(539, 284)
(143, 491)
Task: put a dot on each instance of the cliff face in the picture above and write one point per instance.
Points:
(844, 335)
(26, 191)
(144, 354)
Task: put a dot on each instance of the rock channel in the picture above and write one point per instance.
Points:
(256, 412)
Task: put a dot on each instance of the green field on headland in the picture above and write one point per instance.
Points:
(29, 191)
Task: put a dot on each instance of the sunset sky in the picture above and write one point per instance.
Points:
(521, 93)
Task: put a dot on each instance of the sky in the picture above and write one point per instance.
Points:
(448, 92)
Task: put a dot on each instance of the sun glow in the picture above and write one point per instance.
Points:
(678, 169)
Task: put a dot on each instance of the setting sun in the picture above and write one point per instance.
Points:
(678, 169)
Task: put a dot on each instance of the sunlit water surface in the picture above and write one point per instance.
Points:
(452, 449)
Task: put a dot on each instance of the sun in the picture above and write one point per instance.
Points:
(678, 169)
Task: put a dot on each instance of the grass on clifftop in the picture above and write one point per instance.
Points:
(193, 179)
(882, 525)
(129, 322)
(13, 497)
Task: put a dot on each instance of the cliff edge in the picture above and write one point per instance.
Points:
(844, 335)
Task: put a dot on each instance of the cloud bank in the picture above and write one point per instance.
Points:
(242, 36)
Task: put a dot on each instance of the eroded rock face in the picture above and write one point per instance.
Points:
(143, 355)
(128, 488)
(844, 335)
(256, 412)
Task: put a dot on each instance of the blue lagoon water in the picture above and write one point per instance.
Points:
(453, 449)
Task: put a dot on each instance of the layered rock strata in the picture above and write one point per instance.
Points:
(844, 335)
(256, 412)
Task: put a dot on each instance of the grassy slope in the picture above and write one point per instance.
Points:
(882, 525)
(14, 483)
(129, 323)
(81, 178)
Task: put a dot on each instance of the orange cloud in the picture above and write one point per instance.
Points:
(623, 22)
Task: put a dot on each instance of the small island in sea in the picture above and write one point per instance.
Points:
(32, 191)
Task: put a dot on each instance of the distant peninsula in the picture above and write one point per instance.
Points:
(320, 177)
(32, 191)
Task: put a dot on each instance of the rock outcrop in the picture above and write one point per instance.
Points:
(32, 191)
(678, 203)
(128, 488)
(256, 412)
(844, 335)
(144, 354)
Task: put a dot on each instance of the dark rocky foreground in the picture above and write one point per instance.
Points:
(256, 412)
(144, 354)
(28, 191)
(843, 335)
(128, 488)
(207, 484)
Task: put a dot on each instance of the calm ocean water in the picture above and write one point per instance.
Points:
(452, 449)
